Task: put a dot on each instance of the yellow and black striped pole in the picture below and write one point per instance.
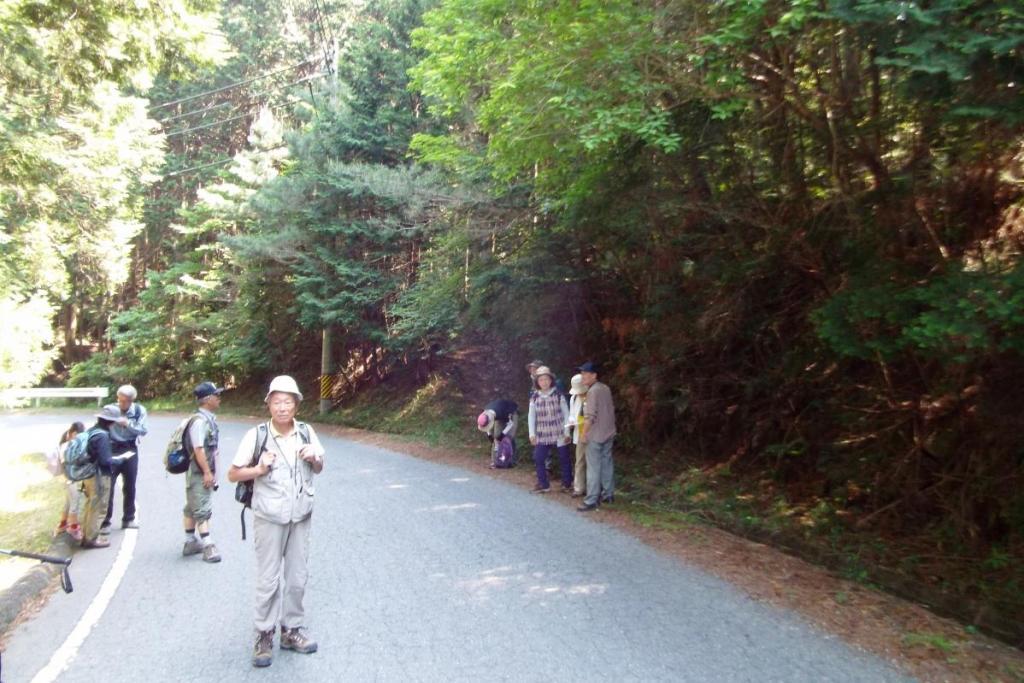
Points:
(326, 377)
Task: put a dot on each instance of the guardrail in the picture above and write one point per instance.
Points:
(10, 396)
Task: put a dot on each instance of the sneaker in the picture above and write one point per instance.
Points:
(61, 528)
(295, 639)
(130, 524)
(263, 652)
(608, 499)
(567, 489)
(577, 494)
(210, 554)
(75, 532)
(193, 547)
(587, 507)
(541, 489)
(98, 542)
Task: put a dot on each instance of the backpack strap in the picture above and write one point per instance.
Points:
(186, 436)
(262, 434)
(88, 437)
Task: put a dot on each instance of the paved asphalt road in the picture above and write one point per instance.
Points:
(419, 572)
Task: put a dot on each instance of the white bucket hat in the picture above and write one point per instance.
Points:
(284, 384)
(577, 387)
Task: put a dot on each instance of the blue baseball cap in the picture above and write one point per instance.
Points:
(205, 389)
(589, 367)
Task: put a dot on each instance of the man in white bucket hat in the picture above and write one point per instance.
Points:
(281, 458)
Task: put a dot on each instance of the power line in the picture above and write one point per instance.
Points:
(197, 111)
(256, 96)
(215, 163)
(317, 25)
(231, 85)
(233, 118)
(330, 27)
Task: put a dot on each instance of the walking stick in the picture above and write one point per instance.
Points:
(65, 575)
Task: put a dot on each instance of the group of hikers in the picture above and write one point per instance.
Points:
(274, 468)
(112, 445)
(275, 465)
(585, 419)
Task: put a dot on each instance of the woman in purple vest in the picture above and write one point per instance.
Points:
(549, 412)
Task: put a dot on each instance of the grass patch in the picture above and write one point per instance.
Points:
(931, 640)
(433, 412)
(662, 520)
(30, 502)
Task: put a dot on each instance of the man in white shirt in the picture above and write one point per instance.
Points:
(281, 459)
(201, 478)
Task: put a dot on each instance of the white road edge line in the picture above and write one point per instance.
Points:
(62, 658)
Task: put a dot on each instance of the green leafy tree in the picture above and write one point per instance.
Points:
(76, 148)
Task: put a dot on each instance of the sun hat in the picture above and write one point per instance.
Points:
(543, 370)
(283, 384)
(577, 387)
(111, 413)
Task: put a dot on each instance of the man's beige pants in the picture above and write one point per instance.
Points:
(94, 509)
(579, 477)
(282, 554)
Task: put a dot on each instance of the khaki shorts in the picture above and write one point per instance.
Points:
(198, 498)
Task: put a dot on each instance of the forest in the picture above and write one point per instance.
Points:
(790, 231)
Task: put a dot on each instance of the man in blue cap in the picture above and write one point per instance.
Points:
(201, 477)
(598, 435)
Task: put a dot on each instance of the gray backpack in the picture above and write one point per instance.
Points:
(78, 466)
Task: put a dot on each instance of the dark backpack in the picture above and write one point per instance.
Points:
(178, 455)
(78, 466)
(243, 489)
(504, 453)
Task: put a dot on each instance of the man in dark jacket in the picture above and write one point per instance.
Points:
(498, 421)
(97, 489)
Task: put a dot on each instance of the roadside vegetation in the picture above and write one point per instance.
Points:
(30, 501)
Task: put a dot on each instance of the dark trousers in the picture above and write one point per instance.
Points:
(540, 453)
(128, 470)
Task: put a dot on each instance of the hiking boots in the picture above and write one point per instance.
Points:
(296, 639)
(192, 547)
(210, 554)
(263, 652)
